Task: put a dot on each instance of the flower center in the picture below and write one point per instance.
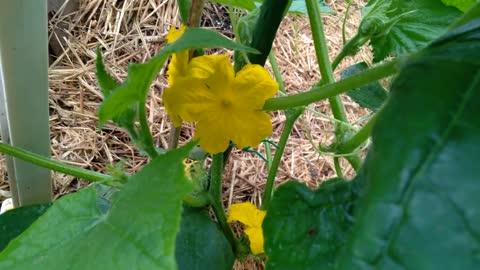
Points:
(225, 103)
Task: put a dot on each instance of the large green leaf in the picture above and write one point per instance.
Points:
(138, 232)
(421, 204)
(463, 5)
(200, 244)
(140, 76)
(404, 26)
(246, 4)
(304, 229)
(15, 221)
(370, 96)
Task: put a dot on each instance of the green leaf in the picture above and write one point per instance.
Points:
(140, 76)
(200, 244)
(462, 5)
(15, 221)
(184, 9)
(420, 208)
(245, 4)
(370, 96)
(137, 232)
(304, 229)
(404, 26)
(299, 6)
(107, 85)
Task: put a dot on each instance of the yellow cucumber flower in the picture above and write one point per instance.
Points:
(178, 67)
(226, 106)
(247, 214)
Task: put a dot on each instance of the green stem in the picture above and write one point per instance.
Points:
(195, 13)
(268, 154)
(338, 168)
(54, 165)
(318, 93)
(174, 135)
(321, 50)
(359, 138)
(276, 72)
(292, 115)
(145, 135)
(344, 24)
(215, 195)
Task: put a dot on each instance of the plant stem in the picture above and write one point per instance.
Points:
(276, 72)
(338, 168)
(321, 50)
(215, 195)
(195, 12)
(174, 135)
(145, 135)
(54, 165)
(347, 11)
(359, 138)
(292, 115)
(318, 93)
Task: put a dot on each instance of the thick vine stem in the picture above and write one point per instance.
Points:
(292, 115)
(318, 93)
(215, 195)
(359, 138)
(56, 165)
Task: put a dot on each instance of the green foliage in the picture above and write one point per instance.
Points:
(200, 244)
(304, 229)
(138, 232)
(184, 9)
(370, 96)
(140, 76)
(298, 6)
(271, 11)
(403, 26)
(463, 5)
(15, 221)
(245, 4)
(420, 207)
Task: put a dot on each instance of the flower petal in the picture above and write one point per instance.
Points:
(249, 128)
(255, 236)
(189, 98)
(246, 213)
(213, 133)
(215, 69)
(253, 85)
(178, 66)
(174, 33)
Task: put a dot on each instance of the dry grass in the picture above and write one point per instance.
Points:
(133, 31)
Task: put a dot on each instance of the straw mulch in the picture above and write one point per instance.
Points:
(131, 31)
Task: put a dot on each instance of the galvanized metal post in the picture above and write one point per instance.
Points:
(24, 95)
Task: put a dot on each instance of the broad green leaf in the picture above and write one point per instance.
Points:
(137, 232)
(200, 244)
(299, 6)
(404, 26)
(15, 221)
(107, 85)
(140, 76)
(420, 208)
(370, 96)
(184, 9)
(304, 229)
(463, 5)
(245, 4)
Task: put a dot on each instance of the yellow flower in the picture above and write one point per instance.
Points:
(226, 107)
(178, 67)
(252, 218)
